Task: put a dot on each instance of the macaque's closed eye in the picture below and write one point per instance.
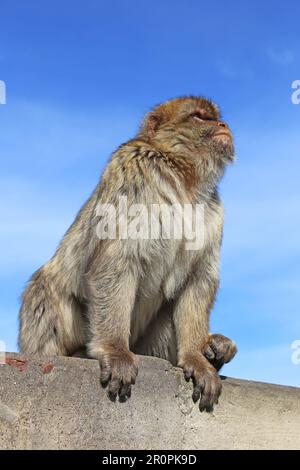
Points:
(201, 115)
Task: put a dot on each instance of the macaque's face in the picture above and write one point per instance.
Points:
(192, 125)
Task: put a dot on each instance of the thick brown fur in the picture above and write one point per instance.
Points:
(118, 297)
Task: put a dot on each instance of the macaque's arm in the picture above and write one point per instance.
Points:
(191, 319)
(111, 289)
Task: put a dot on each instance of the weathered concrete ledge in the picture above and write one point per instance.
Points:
(57, 403)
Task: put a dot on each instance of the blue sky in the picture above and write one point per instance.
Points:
(80, 75)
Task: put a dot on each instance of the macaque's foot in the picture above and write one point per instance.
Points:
(219, 350)
(207, 383)
(119, 369)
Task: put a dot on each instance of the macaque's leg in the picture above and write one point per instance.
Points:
(52, 321)
(111, 290)
(191, 315)
(219, 350)
(159, 340)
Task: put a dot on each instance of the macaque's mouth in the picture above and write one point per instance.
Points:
(222, 135)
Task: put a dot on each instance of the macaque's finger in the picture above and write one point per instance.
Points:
(198, 390)
(113, 388)
(210, 395)
(222, 354)
(209, 352)
(133, 379)
(188, 372)
(105, 374)
(125, 391)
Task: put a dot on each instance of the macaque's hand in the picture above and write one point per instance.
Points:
(118, 372)
(219, 350)
(207, 383)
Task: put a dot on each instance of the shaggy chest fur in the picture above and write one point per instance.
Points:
(168, 266)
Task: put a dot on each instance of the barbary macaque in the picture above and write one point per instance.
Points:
(121, 296)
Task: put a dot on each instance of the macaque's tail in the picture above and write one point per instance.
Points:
(50, 322)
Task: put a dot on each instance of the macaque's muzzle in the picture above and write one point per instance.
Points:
(223, 134)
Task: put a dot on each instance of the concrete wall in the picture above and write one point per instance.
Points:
(57, 403)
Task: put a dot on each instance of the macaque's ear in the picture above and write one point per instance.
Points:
(151, 124)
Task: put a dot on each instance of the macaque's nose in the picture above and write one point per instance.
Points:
(222, 124)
